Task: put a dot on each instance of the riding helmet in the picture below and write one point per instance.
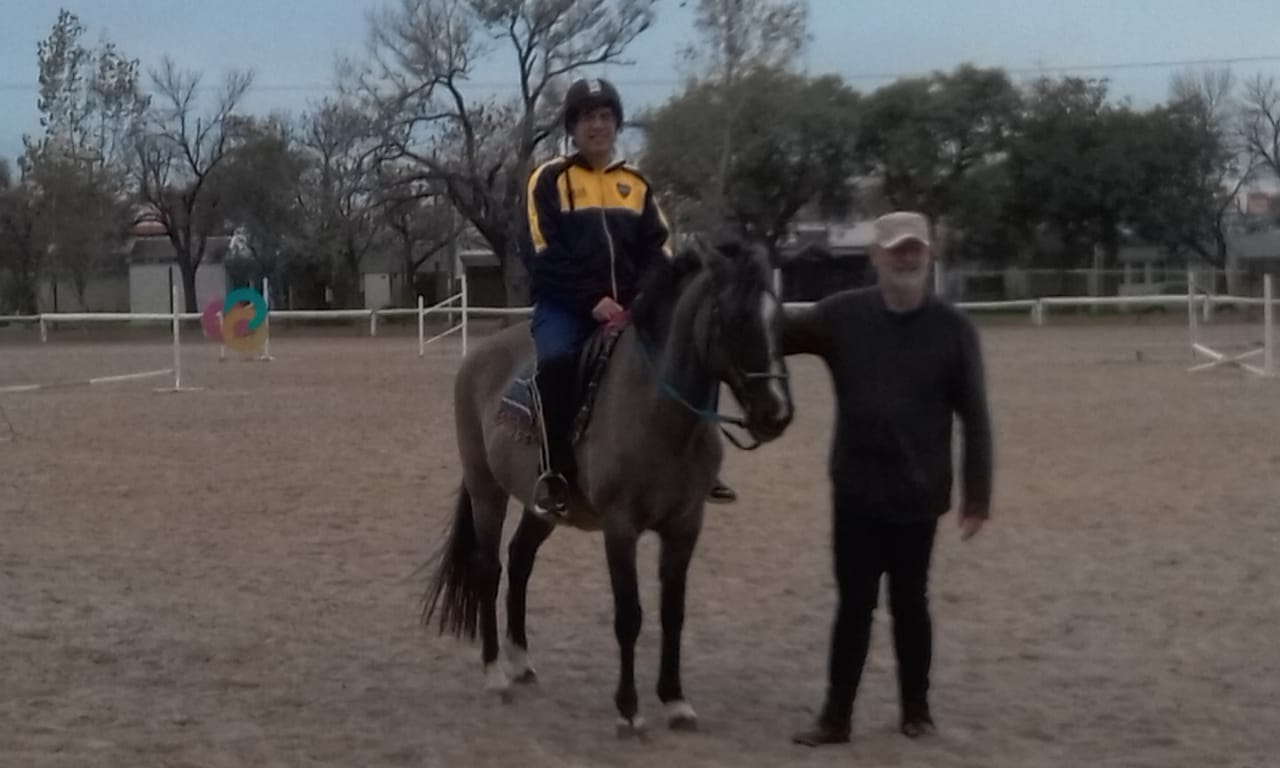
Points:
(588, 94)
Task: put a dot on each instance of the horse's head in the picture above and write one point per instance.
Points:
(737, 328)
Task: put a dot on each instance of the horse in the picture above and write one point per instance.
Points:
(647, 456)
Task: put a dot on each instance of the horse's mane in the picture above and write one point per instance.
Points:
(659, 289)
(728, 258)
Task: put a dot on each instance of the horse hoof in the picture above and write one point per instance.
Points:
(496, 683)
(633, 728)
(527, 677)
(521, 670)
(681, 717)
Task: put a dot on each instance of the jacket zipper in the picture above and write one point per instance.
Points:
(604, 222)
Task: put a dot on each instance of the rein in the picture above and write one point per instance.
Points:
(702, 412)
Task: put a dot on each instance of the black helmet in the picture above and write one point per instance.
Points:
(588, 94)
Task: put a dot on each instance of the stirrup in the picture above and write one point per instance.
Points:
(551, 503)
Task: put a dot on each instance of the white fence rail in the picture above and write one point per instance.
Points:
(1038, 310)
(1192, 302)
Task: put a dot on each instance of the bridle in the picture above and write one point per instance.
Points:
(738, 379)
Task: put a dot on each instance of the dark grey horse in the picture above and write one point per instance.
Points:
(647, 459)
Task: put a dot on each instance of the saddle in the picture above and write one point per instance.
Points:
(516, 408)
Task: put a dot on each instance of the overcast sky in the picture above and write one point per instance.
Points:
(292, 43)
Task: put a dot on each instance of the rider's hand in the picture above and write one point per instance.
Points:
(606, 309)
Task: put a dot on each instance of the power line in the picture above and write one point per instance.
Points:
(669, 81)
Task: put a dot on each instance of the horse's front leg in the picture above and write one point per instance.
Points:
(620, 551)
(678, 543)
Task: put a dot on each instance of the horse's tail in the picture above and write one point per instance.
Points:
(454, 579)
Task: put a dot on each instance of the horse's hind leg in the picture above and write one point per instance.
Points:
(678, 543)
(490, 512)
(620, 549)
(529, 535)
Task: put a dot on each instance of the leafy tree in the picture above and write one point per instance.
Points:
(260, 185)
(1063, 168)
(736, 39)
(794, 144)
(89, 103)
(1194, 167)
(22, 251)
(922, 136)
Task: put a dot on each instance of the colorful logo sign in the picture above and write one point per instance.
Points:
(239, 320)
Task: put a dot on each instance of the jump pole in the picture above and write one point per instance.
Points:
(460, 328)
(266, 343)
(177, 348)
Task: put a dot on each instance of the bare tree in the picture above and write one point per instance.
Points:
(480, 150)
(338, 193)
(178, 151)
(1260, 123)
(1196, 214)
(1213, 88)
(421, 220)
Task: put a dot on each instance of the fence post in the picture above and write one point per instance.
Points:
(1268, 333)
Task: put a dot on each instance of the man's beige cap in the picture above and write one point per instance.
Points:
(894, 228)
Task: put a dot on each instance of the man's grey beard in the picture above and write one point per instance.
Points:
(906, 280)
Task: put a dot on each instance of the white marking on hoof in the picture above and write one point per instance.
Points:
(680, 716)
(630, 729)
(518, 662)
(496, 681)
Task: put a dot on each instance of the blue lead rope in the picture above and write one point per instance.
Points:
(704, 413)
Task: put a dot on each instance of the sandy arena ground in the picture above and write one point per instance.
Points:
(226, 577)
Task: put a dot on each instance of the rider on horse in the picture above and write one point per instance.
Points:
(594, 228)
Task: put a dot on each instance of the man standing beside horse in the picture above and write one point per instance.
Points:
(595, 228)
(903, 363)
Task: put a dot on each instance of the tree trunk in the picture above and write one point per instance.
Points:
(515, 278)
(26, 300)
(188, 273)
(408, 290)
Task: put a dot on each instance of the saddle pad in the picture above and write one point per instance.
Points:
(518, 409)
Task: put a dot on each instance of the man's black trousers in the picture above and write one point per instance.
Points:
(865, 549)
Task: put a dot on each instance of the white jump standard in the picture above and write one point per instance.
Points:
(1219, 358)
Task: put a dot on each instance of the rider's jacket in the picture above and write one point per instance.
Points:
(592, 232)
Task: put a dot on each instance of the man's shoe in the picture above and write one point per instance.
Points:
(917, 727)
(722, 494)
(821, 734)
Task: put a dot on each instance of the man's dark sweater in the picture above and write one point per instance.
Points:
(899, 378)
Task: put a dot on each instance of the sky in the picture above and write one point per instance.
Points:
(292, 44)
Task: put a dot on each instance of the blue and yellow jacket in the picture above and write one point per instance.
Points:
(592, 233)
